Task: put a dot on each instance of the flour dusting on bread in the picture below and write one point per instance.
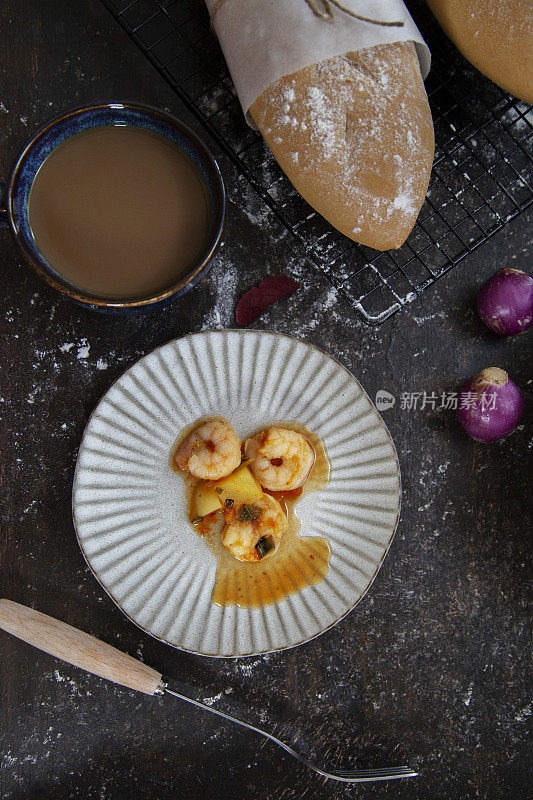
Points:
(354, 135)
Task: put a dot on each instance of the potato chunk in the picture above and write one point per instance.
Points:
(240, 486)
(205, 501)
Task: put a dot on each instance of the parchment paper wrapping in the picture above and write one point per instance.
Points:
(263, 40)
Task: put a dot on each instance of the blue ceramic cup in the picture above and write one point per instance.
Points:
(14, 209)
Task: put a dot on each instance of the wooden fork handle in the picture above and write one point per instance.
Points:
(78, 648)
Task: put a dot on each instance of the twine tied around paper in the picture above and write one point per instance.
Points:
(324, 10)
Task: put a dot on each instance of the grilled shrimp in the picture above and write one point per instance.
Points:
(281, 458)
(254, 531)
(212, 451)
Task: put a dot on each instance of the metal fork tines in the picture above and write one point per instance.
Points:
(346, 776)
(383, 774)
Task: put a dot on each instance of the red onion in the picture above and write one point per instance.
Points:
(505, 302)
(490, 405)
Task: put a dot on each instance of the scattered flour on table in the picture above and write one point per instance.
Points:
(524, 713)
(429, 318)
(518, 123)
(30, 506)
(83, 350)
(251, 203)
(67, 347)
(468, 696)
(324, 307)
(224, 278)
(213, 100)
(210, 701)
(74, 689)
(49, 360)
(247, 667)
(429, 481)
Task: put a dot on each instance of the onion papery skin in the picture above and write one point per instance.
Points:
(490, 405)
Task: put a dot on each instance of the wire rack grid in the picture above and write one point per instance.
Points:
(482, 174)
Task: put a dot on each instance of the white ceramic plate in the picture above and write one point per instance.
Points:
(129, 506)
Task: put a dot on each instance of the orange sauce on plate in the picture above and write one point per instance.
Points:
(300, 561)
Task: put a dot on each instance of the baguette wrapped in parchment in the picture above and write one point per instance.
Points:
(341, 104)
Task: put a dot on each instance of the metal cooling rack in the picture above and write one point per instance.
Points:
(482, 174)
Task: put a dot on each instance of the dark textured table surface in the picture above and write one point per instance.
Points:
(430, 669)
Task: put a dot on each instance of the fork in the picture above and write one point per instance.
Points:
(84, 651)
(347, 776)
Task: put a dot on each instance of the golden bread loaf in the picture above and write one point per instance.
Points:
(354, 135)
(496, 36)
